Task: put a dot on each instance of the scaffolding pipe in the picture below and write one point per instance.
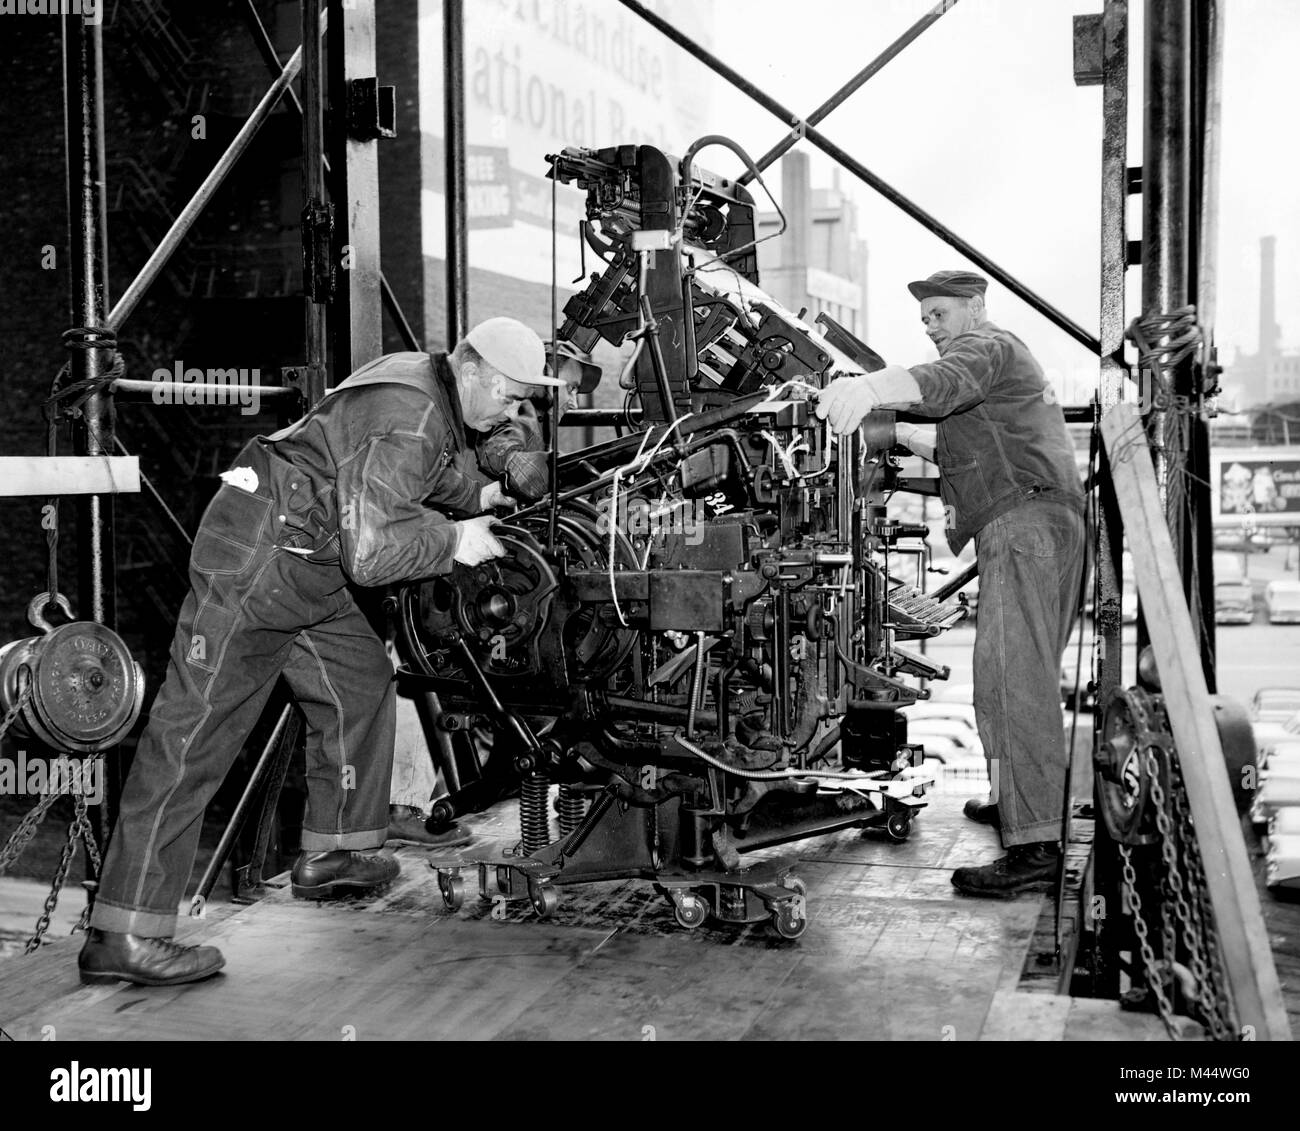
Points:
(83, 60)
(930, 223)
(849, 88)
(453, 58)
(315, 314)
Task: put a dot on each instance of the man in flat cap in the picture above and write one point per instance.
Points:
(1008, 480)
(376, 485)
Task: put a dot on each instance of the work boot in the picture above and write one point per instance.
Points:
(321, 875)
(1025, 867)
(983, 812)
(110, 956)
(406, 825)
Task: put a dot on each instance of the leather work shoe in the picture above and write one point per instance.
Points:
(110, 956)
(983, 812)
(320, 875)
(406, 826)
(1025, 867)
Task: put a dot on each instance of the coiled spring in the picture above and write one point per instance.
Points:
(573, 807)
(534, 820)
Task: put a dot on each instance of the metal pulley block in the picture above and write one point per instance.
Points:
(1134, 732)
(84, 690)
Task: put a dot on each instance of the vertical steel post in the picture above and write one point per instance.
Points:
(1169, 276)
(83, 57)
(354, 189)
(83, 85)
(1165, 215)
(313, 192)
(453, 60)
(1207, 55)
(1114, 372)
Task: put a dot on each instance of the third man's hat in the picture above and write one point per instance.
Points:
(953, 284)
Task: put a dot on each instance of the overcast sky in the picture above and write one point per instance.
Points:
(980, 123)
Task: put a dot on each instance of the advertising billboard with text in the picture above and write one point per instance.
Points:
(1256, 486)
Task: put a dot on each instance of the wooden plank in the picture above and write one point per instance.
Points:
(1244, 940)
(69, 475)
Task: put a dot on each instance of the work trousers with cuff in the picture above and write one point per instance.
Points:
(255, 611)
(1031, 563)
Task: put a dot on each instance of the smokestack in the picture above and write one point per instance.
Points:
(796, 198)
(1268, 328)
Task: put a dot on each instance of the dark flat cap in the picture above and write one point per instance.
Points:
(954, 284)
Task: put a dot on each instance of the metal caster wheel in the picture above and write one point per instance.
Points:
(796, 885)
(787, 920)
(690, 912)
(453, 892)
(544, 900)
(898, 826)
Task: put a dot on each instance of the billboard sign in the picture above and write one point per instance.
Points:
(1256, 486)
(541, 75)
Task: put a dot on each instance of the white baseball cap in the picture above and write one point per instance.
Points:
(509, 346)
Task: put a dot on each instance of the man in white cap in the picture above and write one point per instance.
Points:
(1008, 479)
(376, 485)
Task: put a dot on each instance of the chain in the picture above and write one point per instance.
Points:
(79, 826)
(1154, 977)
(61, 874)
(1186, 913)
(1211, 979)
(11, 716)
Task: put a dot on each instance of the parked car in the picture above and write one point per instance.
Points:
(1274, 704)
(955, 730)
(1282, 602)
(1279, 788)
(940, 749)
(1234, 602)
(944, 692)
(932, 709)
(1285, 751)
(1282, 868)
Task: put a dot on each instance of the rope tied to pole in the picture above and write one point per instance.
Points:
(1164, 341)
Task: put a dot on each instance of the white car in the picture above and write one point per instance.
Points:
(944, 692)
(1282, 752)
(954, 730)
(1282, 602)
(1282, 867)
(953, 755)
(1274, 704)
(920, 712)
(1279, 788)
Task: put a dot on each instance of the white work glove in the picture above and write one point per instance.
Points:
(475, 541)
(916, 438)
(492, 496)
(845, 401)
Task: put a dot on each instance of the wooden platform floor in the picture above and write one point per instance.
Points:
(891, 953)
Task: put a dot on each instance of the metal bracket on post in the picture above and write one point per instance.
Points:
(372, 110)
(1089, 49)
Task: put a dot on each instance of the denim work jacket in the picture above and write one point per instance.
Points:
(359, 477)
(1001, 436)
